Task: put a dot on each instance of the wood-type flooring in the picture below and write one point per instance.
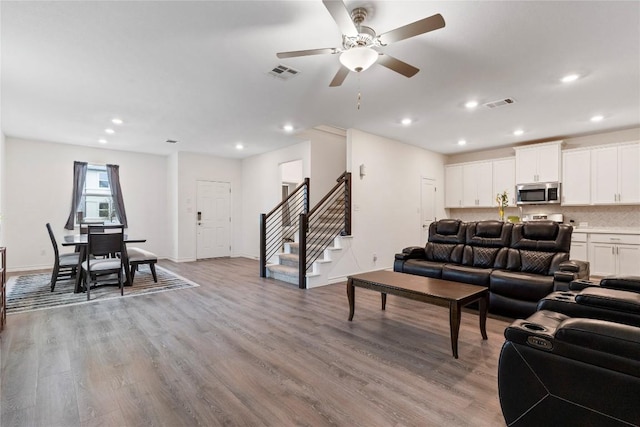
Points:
(244, 351)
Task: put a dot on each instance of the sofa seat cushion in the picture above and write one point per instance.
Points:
(466, 274)
(421, 267)
(523, 286)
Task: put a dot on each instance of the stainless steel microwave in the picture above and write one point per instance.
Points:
(540, 193)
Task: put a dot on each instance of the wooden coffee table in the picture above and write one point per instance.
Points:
(454, 295)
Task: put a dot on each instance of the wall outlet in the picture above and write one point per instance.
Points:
(583, 224)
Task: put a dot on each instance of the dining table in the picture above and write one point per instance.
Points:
(80, 242)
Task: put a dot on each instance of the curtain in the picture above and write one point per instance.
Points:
(113, 173)
(79, 176)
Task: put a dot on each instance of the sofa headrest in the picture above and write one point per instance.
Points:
(543, 236)
(448, 226)
(489, 228)
(489, 233)
(542, 230)
(450, 231)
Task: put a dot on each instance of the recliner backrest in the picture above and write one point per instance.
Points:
(446, 240)
(539, 247)
(487, 244)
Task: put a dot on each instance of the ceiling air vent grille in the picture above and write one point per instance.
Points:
(500, 103)
(284, 73)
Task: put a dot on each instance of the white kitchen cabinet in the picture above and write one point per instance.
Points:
(453, 186)
(504, 178)
(611, 254)
(579, 246)
(538, 163)
(576, 177)
(615, 174)
(477, 188)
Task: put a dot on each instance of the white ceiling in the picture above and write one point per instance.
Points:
(197, 72)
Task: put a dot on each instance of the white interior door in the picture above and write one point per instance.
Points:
(213, 219)
(427, 206)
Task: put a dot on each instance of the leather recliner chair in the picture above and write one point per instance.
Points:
(560, 371)
(616, 299)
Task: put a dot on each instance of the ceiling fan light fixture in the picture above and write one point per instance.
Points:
(358, 59)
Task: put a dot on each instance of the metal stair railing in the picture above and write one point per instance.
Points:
(330, 218)
(281, 224)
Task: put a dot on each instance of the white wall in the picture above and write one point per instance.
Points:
(192, 168)
(261, 183)
(328, 158)
(386, 201)
(39, 179)
(3, 182)
(172, 205)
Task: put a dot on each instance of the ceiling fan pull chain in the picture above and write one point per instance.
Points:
(359, 93)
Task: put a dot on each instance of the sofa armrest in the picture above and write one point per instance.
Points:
(624, 283)
(591, 335)
(567, 272)
(412, 252)
(610, 299)
(580, 284)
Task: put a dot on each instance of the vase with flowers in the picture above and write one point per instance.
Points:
(503, 201)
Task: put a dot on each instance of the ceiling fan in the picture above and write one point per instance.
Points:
(358, 42)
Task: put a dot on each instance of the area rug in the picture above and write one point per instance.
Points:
(31, 292)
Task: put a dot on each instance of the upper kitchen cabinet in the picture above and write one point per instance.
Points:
(538, 163)
(615, 174)
(576, 177)
(477, 188)
(469, 185)
(504, 178)
(453, 186)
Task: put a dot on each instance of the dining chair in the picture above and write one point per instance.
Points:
(98, 268)
(138, 256)
(65, 265)
(84, 226)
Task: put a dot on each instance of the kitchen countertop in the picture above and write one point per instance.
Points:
(617, 230)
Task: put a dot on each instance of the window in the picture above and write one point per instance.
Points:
(97, 203)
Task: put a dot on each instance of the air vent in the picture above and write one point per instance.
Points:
(284, 73)
(171, 141)
(500, 103)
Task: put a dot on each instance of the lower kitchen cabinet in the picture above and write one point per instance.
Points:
(614, 254)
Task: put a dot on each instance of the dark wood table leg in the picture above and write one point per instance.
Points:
(454, 323)
(483, 304)
(384, 300)
(351, 296)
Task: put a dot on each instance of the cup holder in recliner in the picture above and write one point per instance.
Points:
(534, 327)
(566, 294)
(562, 297)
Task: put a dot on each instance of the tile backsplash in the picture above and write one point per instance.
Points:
(594, 216)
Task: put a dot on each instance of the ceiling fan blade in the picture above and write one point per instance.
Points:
(341, 15)
(342, 74)
(419, 27)
(307, 52)
(398, 66)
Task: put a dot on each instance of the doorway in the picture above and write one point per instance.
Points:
(213, 219)
(427, 206)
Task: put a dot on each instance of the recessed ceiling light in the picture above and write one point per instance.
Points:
(518, 132)
(239, 146)
(288, 128)
(597, 118)
(462, 142)
(471, 104)
(116, 121)
(570, 78)
(110, 131)
(406, 121)
(102, 141)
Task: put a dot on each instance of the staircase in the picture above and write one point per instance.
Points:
(305, 254)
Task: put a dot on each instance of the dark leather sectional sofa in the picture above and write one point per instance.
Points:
(575, 362)
(519, 263)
